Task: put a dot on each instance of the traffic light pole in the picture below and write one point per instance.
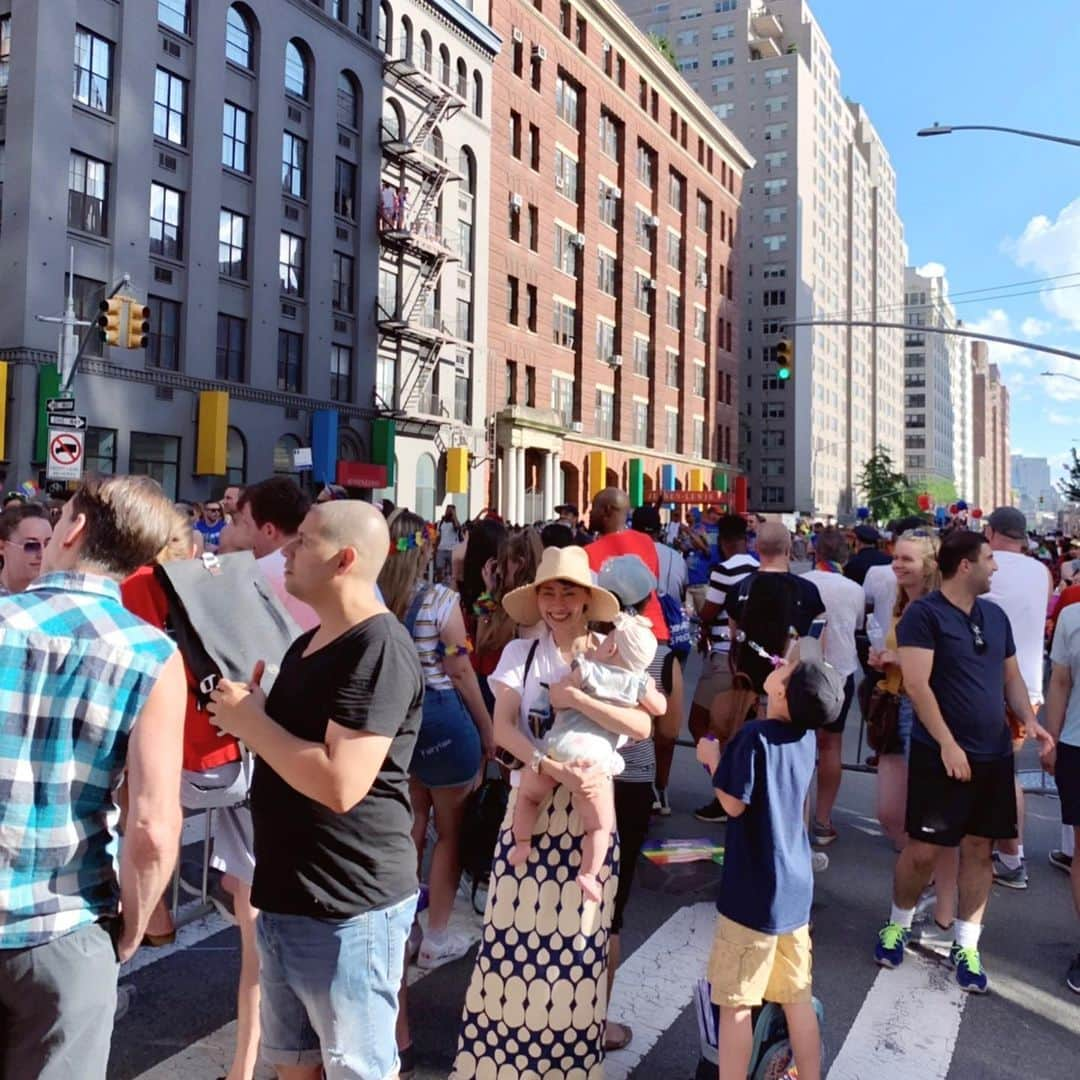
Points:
(66, 376)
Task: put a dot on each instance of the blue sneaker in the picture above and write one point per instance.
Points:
(889, 950)
(969, 970)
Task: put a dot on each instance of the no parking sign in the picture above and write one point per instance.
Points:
(66, 452)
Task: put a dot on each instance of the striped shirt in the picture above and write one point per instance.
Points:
(723, 581)
(431, 619)
(76, 669)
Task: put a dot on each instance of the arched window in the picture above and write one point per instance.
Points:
(297, 69)
(350, 446)
(478, 93)
(425, 51)
(444, 65)
(433, 144)
(462, 79)
(235, 458)
(393, 120)
(386, 27)
(406, 38)
(425, 487)
(283, 455)
(347, 101)
(467, 168)
(239, 39)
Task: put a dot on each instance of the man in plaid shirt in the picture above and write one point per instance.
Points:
(87, 690)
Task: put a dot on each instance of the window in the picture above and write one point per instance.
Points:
(170, 101)
(776, 131)
(463, 72)
(514, 216)
(699, 437)
(774, 243)
(238, 39)
(88, 181)
(609, 204)
(99, 453)
(5, 50)
(672, 370)
(88, 294)
(515, 134)
(478, 94)
(642, 292)
(703, 213)
(232, 245)
(686, 39)
(340, 373)
(774, 215)
(777, 159)
(156, 456)
(646, 165)
(674, 249)
(174, 15)
(641, 424)
(341, 285)
(671, 431)
(566, 252)
(609, 134)
(530, 386)
(291, 264)
(643, 228)
(535, 72)
(674, 309)
(564, 323)
(532, 307)
(641, 356)
(774, 187)
(236, 124)
(677, 191)
(566, 100)
(296, 71)
(235, 458)
(385, 28)
(725, 58)
(347, 104)
(605, 340)
(566, 174)
(723, 32)
(293, 165)
(444, 65)
(700, 323)
(724, 110)
(345, 189)
(166, 221)
(699, 380)
(532, 148)
(511, 382)
(605, 414)
(284, 449)
(534, 228)
(290, 361)
(93, 70)
(512, 306)
(724, 84)
(776, 104)
(606, 273)
(163, 347)
(562, 398)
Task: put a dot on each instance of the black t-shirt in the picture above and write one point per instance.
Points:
(310, 860)
(856, 567)
(969, 685)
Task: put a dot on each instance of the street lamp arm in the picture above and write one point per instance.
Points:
(948, 129)
(1059, 375)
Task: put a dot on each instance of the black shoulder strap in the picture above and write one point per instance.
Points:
(528, 662)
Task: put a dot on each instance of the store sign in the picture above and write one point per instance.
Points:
(359, 474)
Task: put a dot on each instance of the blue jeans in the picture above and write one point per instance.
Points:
(330, 989)
(447, 752)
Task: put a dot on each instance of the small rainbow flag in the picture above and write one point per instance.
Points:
(667, 852)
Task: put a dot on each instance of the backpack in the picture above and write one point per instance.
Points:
(678, 625)
(481, 826)
(766, 607)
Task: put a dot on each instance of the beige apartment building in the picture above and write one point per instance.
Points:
(819, 237)
(990, 431)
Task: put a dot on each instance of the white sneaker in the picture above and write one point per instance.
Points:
(933, 937)
(443, 950)
(819, 861)
(925, 904)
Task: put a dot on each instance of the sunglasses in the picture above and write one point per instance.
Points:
(977, 639)
(215, 509)
(33, 547)
(919, 534)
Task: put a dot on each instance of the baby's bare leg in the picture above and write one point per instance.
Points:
(532, 791)
(598, 819)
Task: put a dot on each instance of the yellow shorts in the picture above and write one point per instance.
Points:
(747, 966)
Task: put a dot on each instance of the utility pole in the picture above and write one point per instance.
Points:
(68, 349)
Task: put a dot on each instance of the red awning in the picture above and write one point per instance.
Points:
(361, 475)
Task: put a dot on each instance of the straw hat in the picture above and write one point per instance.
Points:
(569, 564)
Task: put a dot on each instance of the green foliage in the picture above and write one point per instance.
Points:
(665, 47)
(885, 489)
(1069, 484)
(943, 491)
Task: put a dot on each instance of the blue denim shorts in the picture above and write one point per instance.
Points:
(447, 752)
(330, 990)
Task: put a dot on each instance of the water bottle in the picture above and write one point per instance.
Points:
(875, 632)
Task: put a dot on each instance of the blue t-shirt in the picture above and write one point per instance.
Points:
(211, 533)
(969, 684)
(699, 565)
(768, 883)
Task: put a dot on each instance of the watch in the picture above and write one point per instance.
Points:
(538, 756)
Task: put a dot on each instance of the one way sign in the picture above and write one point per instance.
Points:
(66, 420)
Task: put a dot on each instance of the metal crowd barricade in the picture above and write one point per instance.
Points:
(196, 909)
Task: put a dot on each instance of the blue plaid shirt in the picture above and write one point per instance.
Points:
(76, 669)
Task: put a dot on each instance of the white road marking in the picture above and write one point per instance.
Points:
(657, 982)
(907, 1026)
(186, 937)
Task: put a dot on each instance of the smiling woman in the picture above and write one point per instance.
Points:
(24, 534)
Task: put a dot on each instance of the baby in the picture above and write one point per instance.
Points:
(614, 672)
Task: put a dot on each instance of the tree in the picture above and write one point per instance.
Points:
(886, 491)
(664, 46)
(943, 491)
(1069, 484)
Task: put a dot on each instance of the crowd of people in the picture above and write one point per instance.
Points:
(338, 679)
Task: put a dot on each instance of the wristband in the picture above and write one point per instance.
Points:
(538, 756)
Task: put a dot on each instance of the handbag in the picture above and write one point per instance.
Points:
(481, 826)
(730, 709)
(883, 721)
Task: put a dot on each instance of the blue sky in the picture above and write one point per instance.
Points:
(993, 209)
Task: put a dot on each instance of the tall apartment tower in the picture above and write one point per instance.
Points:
(819, 237)
(990, 431)
(614, 335)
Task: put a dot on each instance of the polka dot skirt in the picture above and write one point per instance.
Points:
(537, 999)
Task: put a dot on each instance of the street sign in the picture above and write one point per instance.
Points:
(60, 405)
(693, 498)
(65, 460)
(67, 420)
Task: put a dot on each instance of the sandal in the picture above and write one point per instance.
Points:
(158, 941)
(613, 1042)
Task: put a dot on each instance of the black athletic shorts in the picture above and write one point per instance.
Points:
(941, 810)
(633, 812)
(1067, 778)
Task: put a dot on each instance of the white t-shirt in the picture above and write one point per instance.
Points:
(845, 609)
(273, 568)
(1021, 588)
(879, 591)
(672, 579)
(1066, 650)
(448, 536)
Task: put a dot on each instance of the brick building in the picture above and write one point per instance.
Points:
(990, 431)
(613, 330)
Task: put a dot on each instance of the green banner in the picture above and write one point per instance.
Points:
(48, 387)
(637, 482)
(719, 479)
(382, 446)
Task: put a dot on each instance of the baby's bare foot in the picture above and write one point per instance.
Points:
(519, 853)
(590, 887)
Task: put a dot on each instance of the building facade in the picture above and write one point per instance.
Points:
(1033, 490)
(990, 431)
(613, 337)
(226, 157)
(820, 237)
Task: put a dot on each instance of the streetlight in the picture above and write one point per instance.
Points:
(1059, 375)
(948, 129)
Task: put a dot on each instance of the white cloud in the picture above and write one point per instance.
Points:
(1062, 419)
(1034, 328)
(1050, 247)
(1061, 389)
(997, 321)
(931, 269)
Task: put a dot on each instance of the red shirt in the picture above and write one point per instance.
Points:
(204, 746)
(629, 542)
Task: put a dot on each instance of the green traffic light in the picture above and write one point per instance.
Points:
(783, 373)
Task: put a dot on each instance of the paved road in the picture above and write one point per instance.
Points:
(910, 1024)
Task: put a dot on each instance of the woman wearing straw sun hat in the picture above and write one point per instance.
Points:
(538, 992)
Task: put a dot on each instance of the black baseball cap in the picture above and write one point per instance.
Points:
(815, 694)
(1008, 521)
(567, 508)
(867, 534)
(645, 519)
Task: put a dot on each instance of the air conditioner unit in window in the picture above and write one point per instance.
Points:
(560, 183)
(518, 35)
(702, 280)
(651, 284)
(576, 426)
(579, 239)
(539, 52)
(615, 360)
(616, 192)
(516, 201)
(652, 221)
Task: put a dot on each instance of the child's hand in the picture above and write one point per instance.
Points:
(708, 753)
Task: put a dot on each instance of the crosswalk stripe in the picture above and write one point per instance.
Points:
(657, 981)
(186, 937)
(907, 1026)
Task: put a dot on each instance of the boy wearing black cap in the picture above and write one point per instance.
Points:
(761, 950)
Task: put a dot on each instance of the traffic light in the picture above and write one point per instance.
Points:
(138, 328)
(109, 319)
(785, 353)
